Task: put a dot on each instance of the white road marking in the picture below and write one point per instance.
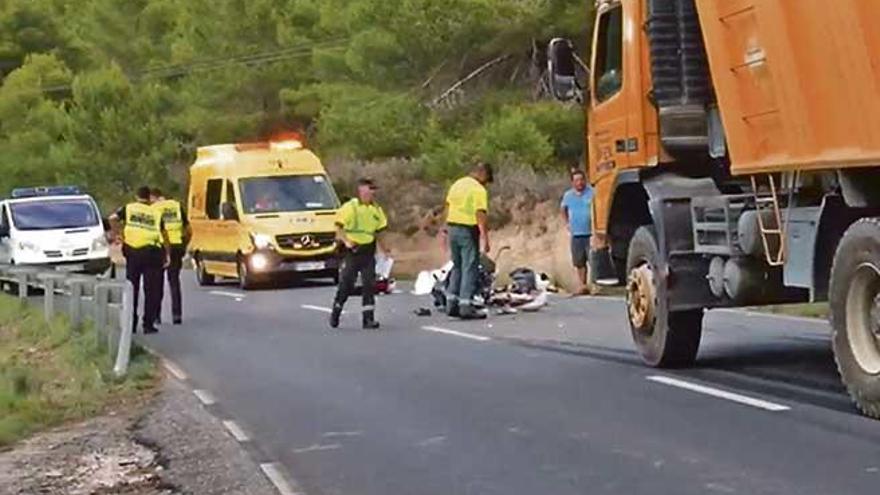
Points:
(438, 440)
(205, 397)
(237, 433)
(480, 338)
(317, 448)
(317, 308)
(238, 296)
(273, 472)
(718, 393)
(336, 434)
(175, 370)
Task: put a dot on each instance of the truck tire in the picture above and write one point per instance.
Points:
(663, 339)
(855, 313)
(203, 278)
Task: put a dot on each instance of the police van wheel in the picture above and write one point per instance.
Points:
(204, 278)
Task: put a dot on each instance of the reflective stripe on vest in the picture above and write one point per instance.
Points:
(141, 226)
(172, 217)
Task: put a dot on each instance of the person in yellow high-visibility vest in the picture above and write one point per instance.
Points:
(360, 224)
(143, 247)
(467, 206)
(177, 233)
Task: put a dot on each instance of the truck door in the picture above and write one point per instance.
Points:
(608, 116)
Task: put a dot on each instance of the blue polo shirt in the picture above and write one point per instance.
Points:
(579, 207)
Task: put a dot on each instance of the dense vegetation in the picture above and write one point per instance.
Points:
(113, 93)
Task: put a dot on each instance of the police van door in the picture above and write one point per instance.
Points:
(5, 236)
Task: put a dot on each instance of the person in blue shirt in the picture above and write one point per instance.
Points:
(576, 210)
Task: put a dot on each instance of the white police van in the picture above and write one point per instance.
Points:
(57, 227)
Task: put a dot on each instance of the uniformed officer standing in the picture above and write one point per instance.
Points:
(177, 234)
(467, 204)
(359, 227)
(144, 254)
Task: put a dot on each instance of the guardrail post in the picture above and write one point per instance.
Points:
(126, 323)
(50, 282)
(102, 299)
(77, 287)
(22, 275)
(114, 310)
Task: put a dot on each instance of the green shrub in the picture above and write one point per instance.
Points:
(512, 137)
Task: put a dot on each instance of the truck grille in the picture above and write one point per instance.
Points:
(306, 241)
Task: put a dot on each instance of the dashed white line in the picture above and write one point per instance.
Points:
(480, 338)
(317, 308)
(175, 370)
(317, 448)
(238, 296)
(237, 433)
(720, 394)
(273, 472)
(205, 397)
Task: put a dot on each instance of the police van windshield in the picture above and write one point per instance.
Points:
(287, 194)
(54, 214)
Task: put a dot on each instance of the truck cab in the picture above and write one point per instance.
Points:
(58, 227)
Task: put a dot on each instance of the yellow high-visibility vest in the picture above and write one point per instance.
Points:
(361, 222)
(142, 223)
(465, 198)
(172, 218)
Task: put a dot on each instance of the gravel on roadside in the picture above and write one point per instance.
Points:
(172, 446)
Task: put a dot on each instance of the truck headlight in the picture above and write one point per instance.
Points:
(261, 241)
(28, 246)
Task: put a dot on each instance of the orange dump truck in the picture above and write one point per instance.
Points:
(734, 146)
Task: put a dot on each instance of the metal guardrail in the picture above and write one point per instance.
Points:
(103, 300)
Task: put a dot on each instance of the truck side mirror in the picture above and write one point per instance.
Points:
(229, 212)
(562, 71)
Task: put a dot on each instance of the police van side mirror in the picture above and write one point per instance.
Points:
(229, 212)
(4, 231)
(562, 76)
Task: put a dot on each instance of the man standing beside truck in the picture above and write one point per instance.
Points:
(467, 206)
(359, 226)
(576, 210)
(177, 232)
(144, 252)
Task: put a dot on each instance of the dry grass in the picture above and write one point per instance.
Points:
(51, 373)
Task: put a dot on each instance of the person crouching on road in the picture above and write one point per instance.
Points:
(177, 233)
(576, 208)
(360, 224)
(467, 205)
(144, 252)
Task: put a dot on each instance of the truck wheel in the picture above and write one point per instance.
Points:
(855, 313)
(203, 278)
(664, 339)
(246, 281)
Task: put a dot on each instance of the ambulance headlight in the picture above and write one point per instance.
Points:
(261, 241)
(259, 262)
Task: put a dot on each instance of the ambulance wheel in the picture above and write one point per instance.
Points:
(663, 338)
(246, 280)
(203, 278)
(855, 313)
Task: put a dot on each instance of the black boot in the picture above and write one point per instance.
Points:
(370, 322)
(334, 315)
(468, 312)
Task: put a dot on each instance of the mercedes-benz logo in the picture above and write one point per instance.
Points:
(306, 240)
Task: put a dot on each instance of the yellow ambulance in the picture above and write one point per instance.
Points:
(260, 211)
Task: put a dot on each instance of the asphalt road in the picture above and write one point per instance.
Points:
(554, 402)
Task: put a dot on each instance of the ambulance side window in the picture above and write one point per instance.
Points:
(213, 196)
